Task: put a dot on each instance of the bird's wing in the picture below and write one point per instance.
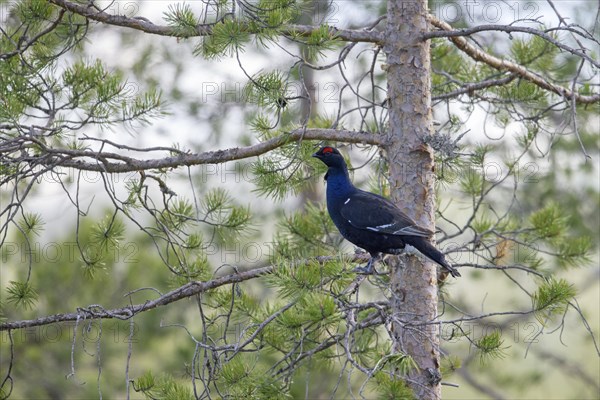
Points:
(371, 212)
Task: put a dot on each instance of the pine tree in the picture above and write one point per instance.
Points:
(481, 124)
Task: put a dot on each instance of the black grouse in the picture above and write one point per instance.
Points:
(370, 221)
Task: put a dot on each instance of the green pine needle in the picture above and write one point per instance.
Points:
(319, 41)
(549, 222)
(490, 346)
(472, 182)
(267, 90)
(21, 294)
(93, 263)
(31, 223)
(574, 252)
(108, 233)
(181, 18)
(166, 387)
(228, 37)
(391, 388)
(552, 298)
(286, 171)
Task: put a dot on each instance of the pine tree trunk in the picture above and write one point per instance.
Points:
(414, 280)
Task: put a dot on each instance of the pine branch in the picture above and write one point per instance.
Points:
(109, 162)
(28, 43)
(186, 291)
(144, 25)
(96, 312)
(511, 29)
(505, 65)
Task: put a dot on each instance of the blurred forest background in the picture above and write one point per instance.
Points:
(514, 165)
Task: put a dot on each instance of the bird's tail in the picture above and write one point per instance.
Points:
(428, 250)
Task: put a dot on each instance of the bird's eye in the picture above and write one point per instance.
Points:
(327, 150)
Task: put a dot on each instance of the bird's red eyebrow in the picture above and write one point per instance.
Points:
(327, 150)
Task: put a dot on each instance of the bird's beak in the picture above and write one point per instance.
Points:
(315, 155)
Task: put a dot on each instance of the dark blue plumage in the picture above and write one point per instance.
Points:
(370, 221)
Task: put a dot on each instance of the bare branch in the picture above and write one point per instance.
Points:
(474, 86)
(105, 161)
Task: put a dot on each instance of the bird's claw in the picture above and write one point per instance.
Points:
(406, 249)
(364, 270)
(368, 269)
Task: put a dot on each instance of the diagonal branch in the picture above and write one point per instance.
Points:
(511, 29)
(117, 163)
(471, 87)
(505, 65)
(142, 24)
(188, 290)
(182, 292)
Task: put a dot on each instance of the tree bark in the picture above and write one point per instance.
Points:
(411, 168)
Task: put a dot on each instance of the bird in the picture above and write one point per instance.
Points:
(370, 221)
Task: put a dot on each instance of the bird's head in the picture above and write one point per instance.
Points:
(330, 157)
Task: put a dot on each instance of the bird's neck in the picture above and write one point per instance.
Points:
(338, 183)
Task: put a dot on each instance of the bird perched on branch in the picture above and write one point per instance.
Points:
(370, 221)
